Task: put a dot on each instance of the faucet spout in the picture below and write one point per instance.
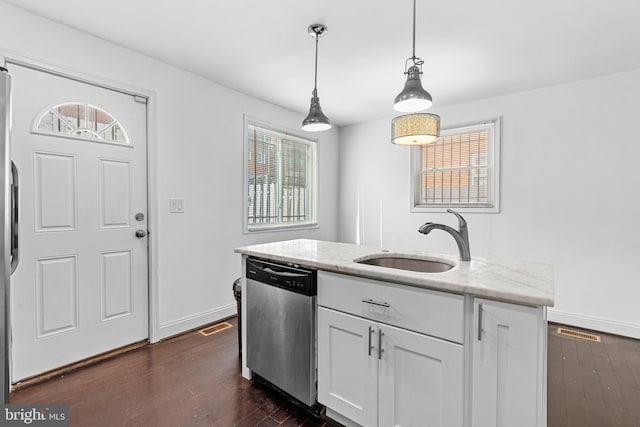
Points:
(461, 236)
(427, 227)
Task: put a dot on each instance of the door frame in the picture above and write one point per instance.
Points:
(9, 59)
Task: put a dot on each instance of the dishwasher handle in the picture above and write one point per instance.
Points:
(275, 268)
(283, 273)
(289, 277)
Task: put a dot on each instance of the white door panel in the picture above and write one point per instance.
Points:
(81, 287)
(347, 366)
(56, 295)
(507, 365)
(55, 188)
(116, 284)
(115, 193)
(421, 380)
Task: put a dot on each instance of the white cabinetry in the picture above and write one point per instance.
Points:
(347, 366)
(375, 373)
(420, 380)
(509, 365)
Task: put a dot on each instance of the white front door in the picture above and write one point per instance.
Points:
(81, 286)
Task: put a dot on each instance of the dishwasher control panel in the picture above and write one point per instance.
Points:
(294, 278)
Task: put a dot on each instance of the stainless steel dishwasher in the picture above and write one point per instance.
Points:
(281, 326)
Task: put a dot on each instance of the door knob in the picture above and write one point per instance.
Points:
(140, 234)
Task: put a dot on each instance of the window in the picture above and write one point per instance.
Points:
(83, 121)
(460, 170)
(281, 179)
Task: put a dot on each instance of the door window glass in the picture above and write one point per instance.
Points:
(81, 120)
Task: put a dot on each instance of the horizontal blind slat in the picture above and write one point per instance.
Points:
(455, 170)
(279, 169)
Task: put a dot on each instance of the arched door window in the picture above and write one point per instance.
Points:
(83, 121)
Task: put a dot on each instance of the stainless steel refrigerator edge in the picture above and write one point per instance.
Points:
(6, 233)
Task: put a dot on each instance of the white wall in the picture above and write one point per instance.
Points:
(569, 193)
(196, 153)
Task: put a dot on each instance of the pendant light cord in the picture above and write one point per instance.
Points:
(315, 78)
(413, 51)
(416, 61)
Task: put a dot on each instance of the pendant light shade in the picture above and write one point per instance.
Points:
(413, 97)
(316, 120)
(415, 129)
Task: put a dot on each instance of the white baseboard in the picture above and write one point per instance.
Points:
(195, 321)
(631, 330)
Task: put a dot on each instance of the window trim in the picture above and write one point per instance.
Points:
(306, 225)
(494, 126)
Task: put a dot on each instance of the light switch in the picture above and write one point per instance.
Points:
(176, 205)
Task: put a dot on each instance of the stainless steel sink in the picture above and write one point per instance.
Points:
(404, 263)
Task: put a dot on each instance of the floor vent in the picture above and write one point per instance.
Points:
(215, 328)
(577, 334)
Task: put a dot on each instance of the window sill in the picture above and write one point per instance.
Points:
(280, 227)
(461, 209)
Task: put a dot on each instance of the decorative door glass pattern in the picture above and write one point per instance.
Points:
(83, 121)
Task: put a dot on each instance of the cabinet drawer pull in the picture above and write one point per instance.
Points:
(370, 333)
(380, 349)
(381, 304)
(480, 322)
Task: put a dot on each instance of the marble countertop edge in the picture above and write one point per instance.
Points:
(516, 282)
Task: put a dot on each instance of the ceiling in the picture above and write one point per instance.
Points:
(472, 49)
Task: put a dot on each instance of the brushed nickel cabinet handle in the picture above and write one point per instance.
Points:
(370, 333)
(380, 350)
(373, 302)
(480, 322)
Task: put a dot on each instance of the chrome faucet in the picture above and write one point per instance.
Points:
(461, 236)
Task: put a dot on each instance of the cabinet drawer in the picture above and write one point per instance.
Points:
(434, 313)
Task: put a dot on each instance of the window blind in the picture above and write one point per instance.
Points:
(455, 171)
(280, 179)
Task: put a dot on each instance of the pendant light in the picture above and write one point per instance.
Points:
(415, 128)
(316, 120)
(413, 97)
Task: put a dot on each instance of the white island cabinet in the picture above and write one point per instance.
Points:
(393, 355)
(347, 366)
(374, 373)
(462, 347)
(509, 365)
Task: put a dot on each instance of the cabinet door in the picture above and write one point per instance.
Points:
(508, 367)
(347, 366)
(420, 381)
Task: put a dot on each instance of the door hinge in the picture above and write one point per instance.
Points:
(140, 99)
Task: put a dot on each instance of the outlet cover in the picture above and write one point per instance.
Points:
(176, 205)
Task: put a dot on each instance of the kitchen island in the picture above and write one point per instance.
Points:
(462, 347)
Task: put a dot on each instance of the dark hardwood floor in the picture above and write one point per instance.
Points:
(591, 384)
(190, 380)
(193, 380)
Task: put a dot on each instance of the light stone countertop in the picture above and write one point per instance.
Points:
(521, 282)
